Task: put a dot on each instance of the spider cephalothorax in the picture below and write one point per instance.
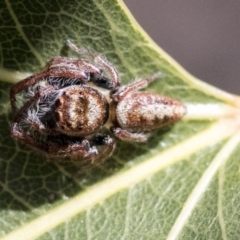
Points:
(65, 106)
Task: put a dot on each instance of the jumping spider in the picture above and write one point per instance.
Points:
(64, 107)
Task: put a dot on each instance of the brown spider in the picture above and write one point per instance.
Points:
(64, 107)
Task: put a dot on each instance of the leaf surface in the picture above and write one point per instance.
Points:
(182, 184)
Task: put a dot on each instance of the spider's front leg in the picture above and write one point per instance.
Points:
(59, 71)
(97, 76)
(106, 146)
(24, 85)
(18, 134)
(56, 148)
(72, 151)
(83, 152)
(23, 111)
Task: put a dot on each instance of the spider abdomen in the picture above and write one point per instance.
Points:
(80, 110)
(140, 111)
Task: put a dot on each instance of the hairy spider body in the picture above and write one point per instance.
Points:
(65, 106)
(143, 111)
(80, 110)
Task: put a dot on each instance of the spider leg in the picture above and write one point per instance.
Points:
(107, 67)
(27, 139)
(53, 148)
(70, 68)
(23, 110)
(125, 135)
(64, 70)
(101, 81)
(76, 151)
(24, 85)
(38, 126)
(106, 146)
(136, 85)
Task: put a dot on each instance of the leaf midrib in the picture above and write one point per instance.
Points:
(103, 190)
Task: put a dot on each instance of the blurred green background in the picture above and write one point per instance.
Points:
(203, 36)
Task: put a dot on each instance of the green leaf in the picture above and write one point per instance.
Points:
(182, 184)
